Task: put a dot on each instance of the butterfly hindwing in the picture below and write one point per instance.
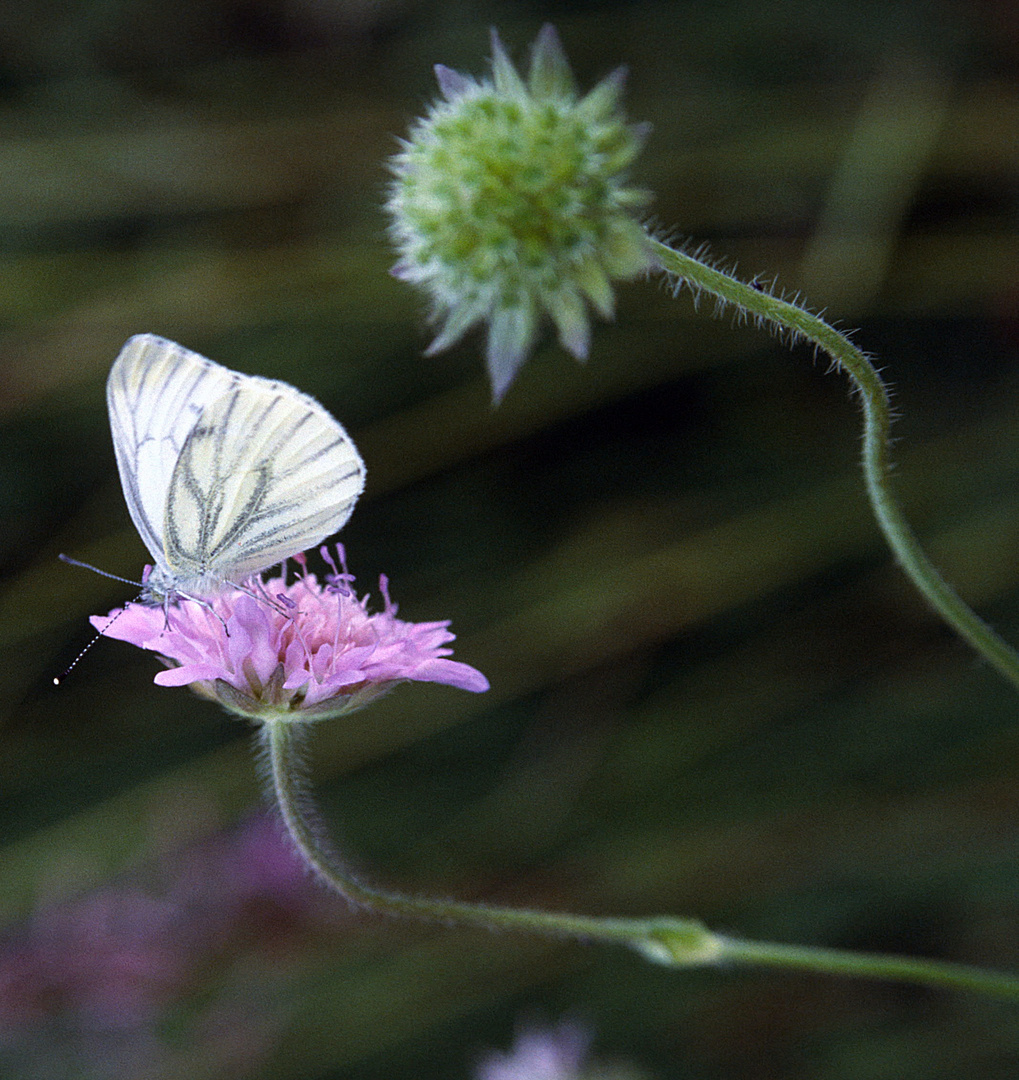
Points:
(264, 473)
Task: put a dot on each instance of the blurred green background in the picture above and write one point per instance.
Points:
(712, 692)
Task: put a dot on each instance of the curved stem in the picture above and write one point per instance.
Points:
(876, 444)
(672, 941)
(285, 764)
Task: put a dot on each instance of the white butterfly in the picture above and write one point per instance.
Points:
(224, 474)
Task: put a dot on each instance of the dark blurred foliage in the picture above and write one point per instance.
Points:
(712, 692)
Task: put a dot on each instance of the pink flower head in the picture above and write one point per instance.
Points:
(301, 651)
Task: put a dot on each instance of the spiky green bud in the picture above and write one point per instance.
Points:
(510, 201)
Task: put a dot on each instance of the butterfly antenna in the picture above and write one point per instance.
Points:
(103, 573)
(95, 570)
(100, 633)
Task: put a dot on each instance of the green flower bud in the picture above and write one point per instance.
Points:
(509, 202)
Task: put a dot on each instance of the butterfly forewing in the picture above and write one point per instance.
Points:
(155, 393)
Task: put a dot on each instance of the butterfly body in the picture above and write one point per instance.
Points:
(224, 474)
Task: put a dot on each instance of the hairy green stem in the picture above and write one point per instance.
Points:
(281, 741)
(663, 939)
(876, 443)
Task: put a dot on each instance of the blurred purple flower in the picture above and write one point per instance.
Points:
(553, 1053)
(301, 651)
(109, 959)
(92, 978)
(539, 1053)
